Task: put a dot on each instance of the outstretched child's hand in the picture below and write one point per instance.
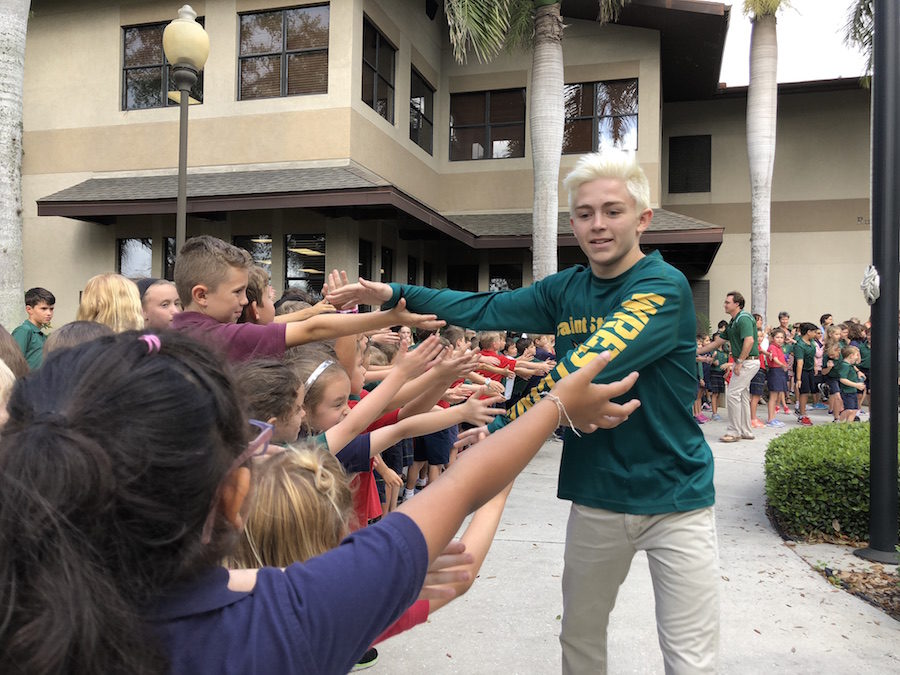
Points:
(341, 293)
(413, 363)
(403, 317)
(589, 406)
(441, 572)
(388, 475)
(478, 411)
(458, 364)
(470, 437)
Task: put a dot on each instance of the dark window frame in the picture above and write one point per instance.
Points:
(165, 72)
(284, 53)
(381, 41)
(488, 125)
(415, 134)
(595, 117)
(690, 167)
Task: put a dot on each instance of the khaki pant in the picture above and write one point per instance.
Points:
(737, 393)
(684, 566)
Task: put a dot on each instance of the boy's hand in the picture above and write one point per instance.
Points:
(385, 336)
(479, 411)
(860, 386)
(341, 292)
(402, 316)
(458, 364)
(589, 406)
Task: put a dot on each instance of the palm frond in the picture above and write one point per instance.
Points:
(608, 10)
(481, 26)
(860, 28)
(754, 8)
(521, 24)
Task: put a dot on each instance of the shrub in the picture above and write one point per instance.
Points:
(817, 480)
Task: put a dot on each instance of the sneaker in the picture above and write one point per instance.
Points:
(757, 424)
(716, 417)
(786, 411)
(818, 406)
(369, 659)
(805, 421)
(706, 406)
(409, 494)
(823, 392)
(700, 419)
(421, 482)
(775, 424)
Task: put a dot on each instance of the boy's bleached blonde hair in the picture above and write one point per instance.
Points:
(302, 508)
(205, 261)
(112, 300)
(486, 338)
(618, 164)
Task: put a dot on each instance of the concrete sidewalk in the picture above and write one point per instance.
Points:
(778, 614)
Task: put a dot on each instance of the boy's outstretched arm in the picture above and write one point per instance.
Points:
(495, 462)
(328, 326)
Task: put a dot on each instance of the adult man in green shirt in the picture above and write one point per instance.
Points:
(646, 484)
(741, 335)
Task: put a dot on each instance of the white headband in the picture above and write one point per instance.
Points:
(318, 371)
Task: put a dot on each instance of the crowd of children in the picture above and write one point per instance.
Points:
(808, 365)
(176, 453)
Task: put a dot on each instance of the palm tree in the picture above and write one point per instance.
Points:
(13, 22)
(762, 109)
(486, 27)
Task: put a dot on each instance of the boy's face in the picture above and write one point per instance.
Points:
(160, 305)
(226, 301)
(41, 314)
(607, 226)
(778, 338)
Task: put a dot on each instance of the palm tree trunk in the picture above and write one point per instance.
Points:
(547, 119)
(13, 22)
(762, 103)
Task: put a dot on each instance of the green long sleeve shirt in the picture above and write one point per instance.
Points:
(655, 462)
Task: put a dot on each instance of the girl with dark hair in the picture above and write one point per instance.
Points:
(124, 471)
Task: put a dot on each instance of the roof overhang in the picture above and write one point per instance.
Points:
(692, 40)
(338, 191)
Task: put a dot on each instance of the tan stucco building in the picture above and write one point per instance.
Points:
(343, 134)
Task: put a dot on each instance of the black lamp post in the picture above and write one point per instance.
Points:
(186, 45)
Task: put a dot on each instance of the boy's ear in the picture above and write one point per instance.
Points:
(199, 295)
(254, 308)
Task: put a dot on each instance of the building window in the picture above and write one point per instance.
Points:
(601, 115)
(146, 76)
(378, 71)
(487, 125)
(304, 257)
(505, 277)
(284, 52)
(259, 246)
(412, 270)
(427, 273)
(134, 258)
(421, 112)
(387, 265)
(690, 163)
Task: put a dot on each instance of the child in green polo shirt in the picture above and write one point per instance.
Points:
(39, 303)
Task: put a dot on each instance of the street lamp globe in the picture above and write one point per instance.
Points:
(185, 42)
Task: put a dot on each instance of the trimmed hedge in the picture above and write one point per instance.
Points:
(818, 477)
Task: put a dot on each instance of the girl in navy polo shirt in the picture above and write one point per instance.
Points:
(124, 476)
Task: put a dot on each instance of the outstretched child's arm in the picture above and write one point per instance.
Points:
(477, 538)
(372, 406)
(495, 462)
(474, 410)
(328, 326)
